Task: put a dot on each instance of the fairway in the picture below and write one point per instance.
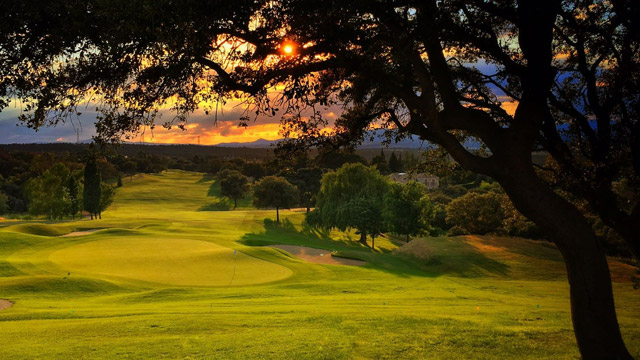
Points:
(167, 261)
(156, 280)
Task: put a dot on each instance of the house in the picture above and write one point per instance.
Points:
(430, 181)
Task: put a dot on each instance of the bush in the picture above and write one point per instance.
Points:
(4, 203)
(476, 213)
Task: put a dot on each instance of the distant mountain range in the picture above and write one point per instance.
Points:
(411, 142)
(408, 143)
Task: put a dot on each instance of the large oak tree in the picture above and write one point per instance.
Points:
(517, 76)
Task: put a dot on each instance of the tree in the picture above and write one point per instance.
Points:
(233, 185)
(4, 203)
(107, 192)
(130, 168)
(92, 192)
(307, 180)
(275, 191)
(48, 193)
(515, 224)
(561, 76)
(380, 162)
(475, 213)
(119, 183)
(352, 197)
(408, 210)
(74, 200)
(255, 170)
(395, 165)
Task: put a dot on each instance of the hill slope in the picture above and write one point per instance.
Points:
(161, 279)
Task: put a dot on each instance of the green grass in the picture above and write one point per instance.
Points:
(155, 282)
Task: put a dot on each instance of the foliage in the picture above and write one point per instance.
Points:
(352, 197)
(49, 194)
(395, 164)
(4, 203)
(275, 192)
(408, 210)
(92, 192)
(515, 224)
(255, 170)
(74, 195)
(107, 192)
(476, 213)
(562, 77)
(233, 185)
(307, 180)
(380, 163)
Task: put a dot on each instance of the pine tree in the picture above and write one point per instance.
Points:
(92, 190)
(394, 164)
(72, 186)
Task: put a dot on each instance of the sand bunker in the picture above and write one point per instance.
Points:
(319, 256)
(5, 304)
(80, 233)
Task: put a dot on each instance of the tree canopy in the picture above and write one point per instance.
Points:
(233, 185)
(307, 180)
(408, 210)
(49, 193)
(92, 191)
(515, 77)
(475, 213)
(352, 197)
(275, 192)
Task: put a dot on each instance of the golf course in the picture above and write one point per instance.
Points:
(162, 275)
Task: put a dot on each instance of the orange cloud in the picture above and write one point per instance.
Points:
(223, 132)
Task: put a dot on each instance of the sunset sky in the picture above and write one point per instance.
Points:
(200, 125)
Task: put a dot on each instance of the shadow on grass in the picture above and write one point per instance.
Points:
(220, 205)
(461, 259)
(223, 203)
(206, 178)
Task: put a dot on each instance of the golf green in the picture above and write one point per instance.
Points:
(171, 261)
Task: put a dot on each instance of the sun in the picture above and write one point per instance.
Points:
(288, 48)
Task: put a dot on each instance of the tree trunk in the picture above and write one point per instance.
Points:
(363, 238)
(308, 209)
(235, 204)
(91, 214)
(277, 215)
(373, 242)
(592, 306)
(408, 238)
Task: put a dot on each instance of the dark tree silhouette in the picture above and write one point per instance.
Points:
(517, 77)
(233, 185)
(307, 180)
(92, 192)
(74, 201)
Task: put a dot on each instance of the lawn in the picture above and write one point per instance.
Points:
(166, 277)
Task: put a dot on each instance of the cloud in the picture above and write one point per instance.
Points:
(206, 129)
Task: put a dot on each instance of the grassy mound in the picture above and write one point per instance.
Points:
(40, 229)
(417, 249)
